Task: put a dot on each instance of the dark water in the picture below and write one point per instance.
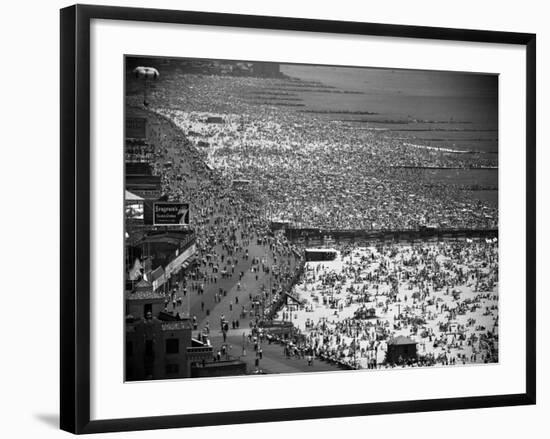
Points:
(482, 177)
(442, 109)
(485, 181)
(456, 111)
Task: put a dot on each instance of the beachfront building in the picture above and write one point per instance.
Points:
(154, 348)
(158, 344)
(161, 257)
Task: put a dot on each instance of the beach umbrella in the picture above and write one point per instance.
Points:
(146, 74)
(141, 72)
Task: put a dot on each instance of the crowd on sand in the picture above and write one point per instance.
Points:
(242, 166)
(440, 296)
(315, 172)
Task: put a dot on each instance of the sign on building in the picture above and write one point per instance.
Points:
(134, 210)
(170, 214)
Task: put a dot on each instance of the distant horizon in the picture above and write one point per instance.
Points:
(392, 91)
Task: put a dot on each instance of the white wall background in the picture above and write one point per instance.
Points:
(29, 185)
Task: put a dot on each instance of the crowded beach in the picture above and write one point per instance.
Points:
(243, 165)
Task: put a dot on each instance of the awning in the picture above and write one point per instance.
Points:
(129, 196)
(179, 268)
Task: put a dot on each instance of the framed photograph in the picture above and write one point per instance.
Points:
(275, 218)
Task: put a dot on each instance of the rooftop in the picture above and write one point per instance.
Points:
(174, 237)
(143, 294)
(401, 340)
(176, 325)
(216, 364)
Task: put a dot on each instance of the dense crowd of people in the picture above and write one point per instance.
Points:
(317, 172)
(228, 231)
(242, 166)
(443, 296)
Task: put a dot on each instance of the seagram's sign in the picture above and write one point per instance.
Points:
(170, 214)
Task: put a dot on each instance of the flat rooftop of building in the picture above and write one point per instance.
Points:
(221, 363)
(143, 295)
(176, 325)
(173, 237)
(401, 340)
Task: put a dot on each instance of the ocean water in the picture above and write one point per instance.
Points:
(457, 111)
(441, 109)
(451, 110)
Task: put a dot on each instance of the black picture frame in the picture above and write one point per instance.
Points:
(75, 217)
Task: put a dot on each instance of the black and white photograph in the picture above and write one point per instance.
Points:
(275, 219)
(298, 218)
